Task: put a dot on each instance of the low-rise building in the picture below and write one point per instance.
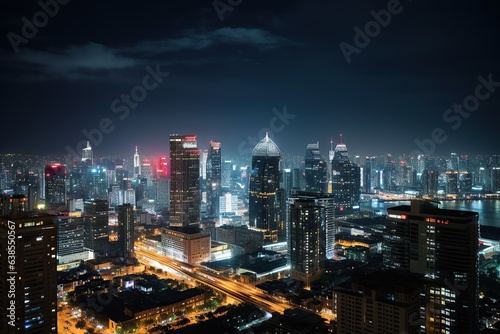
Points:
(187, 244)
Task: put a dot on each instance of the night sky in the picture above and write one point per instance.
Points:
(248, 66)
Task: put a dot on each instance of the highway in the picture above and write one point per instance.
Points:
(235, 290)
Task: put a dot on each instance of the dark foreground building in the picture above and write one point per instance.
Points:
(443, 246)
(28, 274)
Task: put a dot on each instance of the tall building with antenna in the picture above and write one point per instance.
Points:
(87, 155)
(137, 163)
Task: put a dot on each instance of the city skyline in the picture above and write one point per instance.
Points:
(304, 72)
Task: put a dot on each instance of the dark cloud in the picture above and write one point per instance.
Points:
(196, 40)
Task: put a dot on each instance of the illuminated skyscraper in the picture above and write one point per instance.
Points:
(137, 163)
(96, 226)
(311, 234)
(227, 170)
(126, 229)
(331, 154)
(443, 246)
(495, 179)
(264, 183)
(87, 155)
(368, 174)
(147, 170)
(97, 183)
(345, 182)
(214, 178)
(162, 193)
(70, 239)
(430, 183)
(389, 176)
(28, 288)
(315, 170)
(452, 182)
(162, 168)
(184, 180)
(55, 185)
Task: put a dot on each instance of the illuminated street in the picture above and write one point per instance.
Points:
(233, 289)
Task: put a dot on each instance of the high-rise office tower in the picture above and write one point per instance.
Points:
(443, 246)
(452, 182)
(465, 180)
(227, 168)
(297, 179)
(286, 181)
(495, 179)
(70, 239)
(55, 185)
(129, 197)
(87, 155)
(162, 169)
(162, 193)
(389, 180)
(311, 234)
(203, 182)
(213, 178)
(331, 154)
(96, 226)
(404, 176)
(463, 163)
(147, 170)
(430, 183)
(28, 183)
(96, 185)
(368, 174)
(184, 180)
(264, 183)
(28, 274)
(453, 162)
(137, 164)
(345, 182)
(315, 170)
(115, 196)
(126, 229)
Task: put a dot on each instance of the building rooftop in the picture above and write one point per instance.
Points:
(430, 208)
(266, 148)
